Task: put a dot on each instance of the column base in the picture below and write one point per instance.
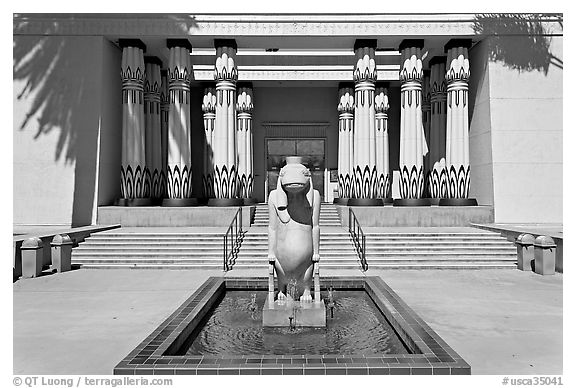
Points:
(222, 202)
(365, 202)
(412, 202)
(135, 202)
(250, 201)
(458, 202)
(340, 201)
(434, 201)
(179, 202)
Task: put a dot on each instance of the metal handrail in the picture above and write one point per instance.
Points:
(358, 238)
(232, 240)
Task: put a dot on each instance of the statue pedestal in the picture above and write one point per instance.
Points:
(310, 314)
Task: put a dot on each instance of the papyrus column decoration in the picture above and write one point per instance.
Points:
(244, 139)
(382, 148)
(345, 140)
(224, 144)
(457, 140)
(164, 112)
(209, 109)
(179, 169)
(437, 182)
(413, 145)
(426, 115)
(135, 177)
(152, 87)
(364, 173)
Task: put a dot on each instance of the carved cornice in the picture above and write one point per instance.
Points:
(295, 75)
(141, 25)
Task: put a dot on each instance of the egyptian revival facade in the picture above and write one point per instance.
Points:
(202, 110)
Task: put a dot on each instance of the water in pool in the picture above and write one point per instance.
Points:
(234, 327)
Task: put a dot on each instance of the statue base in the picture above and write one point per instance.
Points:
(304, 314)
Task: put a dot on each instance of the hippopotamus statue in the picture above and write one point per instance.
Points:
(293, 231)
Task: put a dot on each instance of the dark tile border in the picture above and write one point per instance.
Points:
(430, 355)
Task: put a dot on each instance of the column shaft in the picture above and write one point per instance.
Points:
(179, 141)
(382, 147)
(457, 140)
(426, 118)
(164, 113)
(364, 173)
(413, 145)
(345, 142)
(209, 108)
(152, 87)
(224, 144)
(437, 182)
(244, 107)
(135, 177)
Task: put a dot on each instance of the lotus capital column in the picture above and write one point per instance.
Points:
(244, 139)
(413, 145)
(437, 177)
(224, 141)
(134, 174)
(457, 138)
(209, 109)
(382, 147)
(152, 88)
(345, 142)
(179, 168)
(365, 182)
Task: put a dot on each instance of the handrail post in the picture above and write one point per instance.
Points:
(225, 251)
(235, 232)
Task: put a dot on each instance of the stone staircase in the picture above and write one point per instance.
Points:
(336, 249)
(193, 248)
(175, 248)
(328, 215)
(438, 250)
(442, 250)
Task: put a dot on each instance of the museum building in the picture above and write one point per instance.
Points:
(195, 110)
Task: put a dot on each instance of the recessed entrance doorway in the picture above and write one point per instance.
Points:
(313, 153)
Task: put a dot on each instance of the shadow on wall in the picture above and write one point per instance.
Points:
(58, 94)
(530, 48)
(61, 76)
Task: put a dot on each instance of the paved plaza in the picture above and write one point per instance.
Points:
(86, 321)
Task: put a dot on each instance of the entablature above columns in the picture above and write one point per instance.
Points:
(178, 25)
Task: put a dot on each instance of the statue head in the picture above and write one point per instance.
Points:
(294, 178)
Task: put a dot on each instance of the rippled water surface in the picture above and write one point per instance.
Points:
(358, 327)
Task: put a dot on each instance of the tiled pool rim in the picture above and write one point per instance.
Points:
(431, 355)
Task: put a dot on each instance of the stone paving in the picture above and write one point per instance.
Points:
(86, 321)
